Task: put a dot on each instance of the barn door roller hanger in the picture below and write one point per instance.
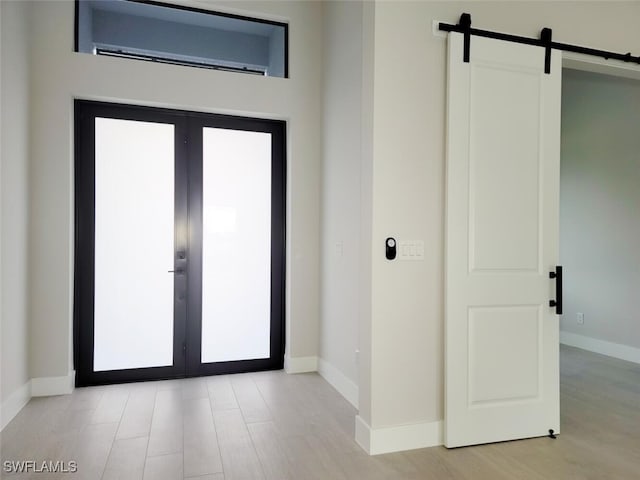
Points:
(545, 41)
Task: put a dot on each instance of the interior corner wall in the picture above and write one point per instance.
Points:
(341, 196)
(366, 219)
(85, 27)
(60, 75)
(1, 216)
(14, 202)
(409, 112)
(599, 201)
(276, 55)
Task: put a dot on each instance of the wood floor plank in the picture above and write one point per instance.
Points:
(201, 451)
(221, 393)
(310, 459)
(215, 476)
(360, 466)
(166, 435)
(111, 406)
(137, 415)
(239, 457)
(270, 451)
(250, 401)
(194, 388)
(86, 398)
(126, 460)
(92, 449)
(164, 467)
(72, 420)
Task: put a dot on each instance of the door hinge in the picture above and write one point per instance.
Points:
(184, 348)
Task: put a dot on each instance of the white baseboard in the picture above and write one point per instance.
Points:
(344, 385)
(616, 350)
(47, 386)
(300, 364)
(399, 438)
(363, 434)
(14, 403)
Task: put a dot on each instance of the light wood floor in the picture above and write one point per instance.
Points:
(276, 426)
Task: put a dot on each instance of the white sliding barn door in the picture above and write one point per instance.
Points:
(503, 168)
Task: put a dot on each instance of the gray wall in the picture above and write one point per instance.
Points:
(15, 198)
(276, 53)
(341, 205)
(600, 206)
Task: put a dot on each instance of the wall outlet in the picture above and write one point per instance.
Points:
(580, 318)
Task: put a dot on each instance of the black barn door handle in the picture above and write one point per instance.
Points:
(558, 301)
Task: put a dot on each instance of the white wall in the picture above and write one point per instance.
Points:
(1, 216)
(341, 195)
(14, 201)
(600, 228)
(404, 403)
(59, 76)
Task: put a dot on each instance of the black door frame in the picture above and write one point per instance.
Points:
(188, 241)
(278, 240)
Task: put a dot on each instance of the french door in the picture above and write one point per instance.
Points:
(179, 243)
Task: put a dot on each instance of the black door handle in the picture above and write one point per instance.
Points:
(558, 301)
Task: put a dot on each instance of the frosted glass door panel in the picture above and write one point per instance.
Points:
(236, 247)
(134, 244)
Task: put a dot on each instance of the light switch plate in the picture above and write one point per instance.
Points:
(411, 250)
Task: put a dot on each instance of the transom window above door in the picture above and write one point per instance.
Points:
(181, 35)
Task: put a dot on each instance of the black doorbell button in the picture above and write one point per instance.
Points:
(390, 247)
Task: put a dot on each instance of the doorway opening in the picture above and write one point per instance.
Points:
(180, 243)
(599, 200)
